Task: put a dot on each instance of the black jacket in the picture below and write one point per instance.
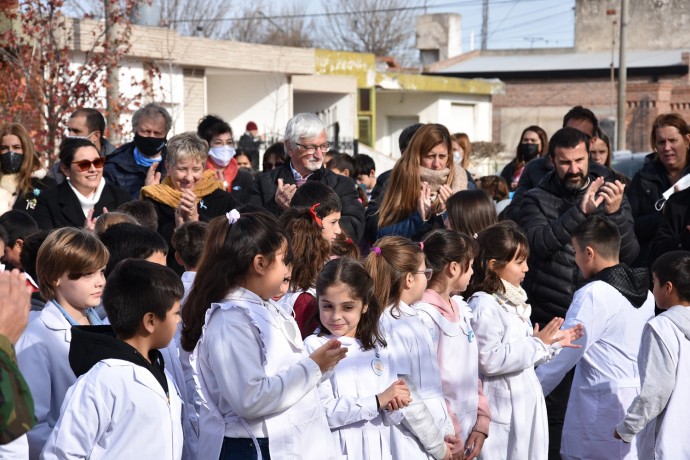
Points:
(28, 202)
(673, 233)
(213, 205)
(533, 173)
(549, 214)
(644, 191)
(352, 214)
(59, 206)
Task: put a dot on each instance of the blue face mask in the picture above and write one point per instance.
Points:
(143, 160)
(222, 155)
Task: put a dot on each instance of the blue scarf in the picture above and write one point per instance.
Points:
(143, 160)
(91, 314)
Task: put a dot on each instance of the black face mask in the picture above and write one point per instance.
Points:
(149, 146)
(11, 162)
(528, 151)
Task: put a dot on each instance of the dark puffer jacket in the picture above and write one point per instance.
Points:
(673, 233)
(645, 190)
(549, 214)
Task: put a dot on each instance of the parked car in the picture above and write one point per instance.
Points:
(627, 162)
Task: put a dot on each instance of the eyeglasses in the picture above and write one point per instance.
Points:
(428, 272)
(85, 165)
(311, 149)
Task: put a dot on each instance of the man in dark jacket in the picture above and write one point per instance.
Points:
(141, 162)
(549, 213)
(305, 145)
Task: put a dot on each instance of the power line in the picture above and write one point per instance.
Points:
(348, 13)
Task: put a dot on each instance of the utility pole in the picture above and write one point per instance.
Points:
(622, 77)
(112, 96)
(485, 25)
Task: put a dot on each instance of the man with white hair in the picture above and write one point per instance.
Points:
(305, 146)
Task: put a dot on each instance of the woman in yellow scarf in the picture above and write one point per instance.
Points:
(188, 193)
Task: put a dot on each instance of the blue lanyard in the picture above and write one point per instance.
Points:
(91, 314)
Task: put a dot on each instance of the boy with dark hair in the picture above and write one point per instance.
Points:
(663, 362)
(125, 241)
(143, 211)
(124, 405)
(188, 242)
(342, 164)
(18, 225)
(613, 308)
(365, 173)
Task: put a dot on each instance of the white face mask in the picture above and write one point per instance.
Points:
(222, 155)
(458, 156)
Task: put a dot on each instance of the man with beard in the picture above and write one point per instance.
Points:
(141, 162)
(305, 146)
(549, 214)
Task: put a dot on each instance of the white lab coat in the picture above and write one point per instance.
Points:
(42, 356)
(118, 410)
(349, 397)
(15, 450)
(258, 381)
(458, 359)
(507, 356)
(606, 378)
(413, 354)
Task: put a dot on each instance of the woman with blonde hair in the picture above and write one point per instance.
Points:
(424, 177)
(22, 177)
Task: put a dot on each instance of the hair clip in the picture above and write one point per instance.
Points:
(312, 211)
(376, 250)
(421, 245)
(348, 240)
(232, 216)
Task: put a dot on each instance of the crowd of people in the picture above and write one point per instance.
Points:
(165, 299)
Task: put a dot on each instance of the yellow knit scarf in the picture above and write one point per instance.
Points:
(165, 192)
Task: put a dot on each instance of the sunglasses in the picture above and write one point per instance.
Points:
(85, 165)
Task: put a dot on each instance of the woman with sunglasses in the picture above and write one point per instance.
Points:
(22, 179)
(85, 195)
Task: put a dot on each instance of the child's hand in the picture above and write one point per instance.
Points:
(547, 335)
(328, 355)
(395, 396)
(565, 337)
(473, 445)
(449, 448)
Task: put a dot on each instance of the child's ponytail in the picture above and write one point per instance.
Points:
(232, 242)
(390, 260)
(310, 251)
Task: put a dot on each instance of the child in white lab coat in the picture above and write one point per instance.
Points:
(257, 381)
(70, 267)
(124, 404)
(663, 403)
(361, 387)
(613, 307)
(509, 347)
(450, 255)
(397, 266)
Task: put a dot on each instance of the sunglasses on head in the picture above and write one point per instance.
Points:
(85, 165)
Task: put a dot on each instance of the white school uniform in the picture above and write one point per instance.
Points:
(118, 410)
(257, 381)
(458, 359)
(507, 356)
(663, 404)
(606, 378)
(412, 353)
(43, 358)
(349, 397)
(177, 363)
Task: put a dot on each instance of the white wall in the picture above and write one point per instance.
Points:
(331, 107)
(264, 99)
(459, 113)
